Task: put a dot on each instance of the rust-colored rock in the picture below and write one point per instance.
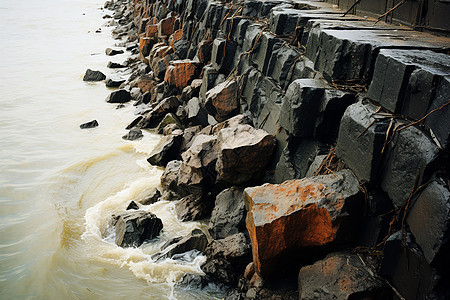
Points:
(176, 36)
(145, 45)
(222, 101)
(182, 72)
(204, 51)
(165, 26)
(244, 153)
(145, 83)
(287, 217)
(151, 30)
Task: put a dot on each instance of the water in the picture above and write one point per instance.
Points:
(60, 184)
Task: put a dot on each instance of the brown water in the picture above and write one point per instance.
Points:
(59, 184)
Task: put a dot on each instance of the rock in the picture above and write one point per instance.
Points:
(340, 276)
(408, 155)
(166, 150)
(429, 220)
(300, 106)
(145, 82)
(227, 258)
(361, 139)
(134, 227)
(228, 215)
(195, 240)
(182, 72)
(244, 153)
(156, 115)
(208, 81)
(204, 51)
(134, 134)
(132, 206)
(262, 56)
(188, 137)
(169, 179)
(170, 118)
(90, 124)
(281, 64)
(192, 208)
(222, 55)
(196, 113)
(315, 165)
(112, 52)
(119, 96)
(151, 198)
(110, 82)
(222, 101)
(166, 26)
(439, 121)
(306, 213)
(232, 122)
(116, 65)
(91, 75)
(197, 170)
(405, 267)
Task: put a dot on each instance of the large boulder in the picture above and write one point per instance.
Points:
(169, 178)
(91, 75)
(152, 118)
(135, 226)
(119, 96)
(308, 213)
(222, 101)
(340, 276)
(193, 208)
(196, 240)
(244, 153)
(182, 72)
(166, 150)
(228, 215)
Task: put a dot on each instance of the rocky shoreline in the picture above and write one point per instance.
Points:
(316, 145)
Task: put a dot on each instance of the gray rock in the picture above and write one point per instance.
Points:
(315, 165)
(134, 227)
(151, 198)
(155, 116)
(196, 240)
(301, 105)
(222, 54)
(166, 150)
(360, 141)
(169, 179)
(232, 122)
(188, 137)
(228, 215)
(116, 65)
(408, 155)
(263, 53)
(91, 75)
(90, 124)
(112, 52)
(210, 75)
(439, 121)
(281, 64)
(132, 206)
(119, 96)
(429, 219)
(168, 119)
(134, 134)
(222, 101)
(192, 208)
(244, 153)
(196, 113)
(340, 276)
(110, 82)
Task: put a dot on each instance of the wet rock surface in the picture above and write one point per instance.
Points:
(92, 75)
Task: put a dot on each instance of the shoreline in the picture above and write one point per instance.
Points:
(265, 126)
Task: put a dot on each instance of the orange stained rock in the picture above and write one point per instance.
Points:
(181, 73)
(166, 26)
(151, 30)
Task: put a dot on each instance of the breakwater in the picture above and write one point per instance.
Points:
(315, 143)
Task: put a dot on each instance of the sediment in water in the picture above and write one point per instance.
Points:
(332, 121)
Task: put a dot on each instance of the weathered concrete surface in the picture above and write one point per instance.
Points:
(244, 153)
(299, 213)
(360, 140)
(340, 276)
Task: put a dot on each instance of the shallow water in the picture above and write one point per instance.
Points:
(59, 184)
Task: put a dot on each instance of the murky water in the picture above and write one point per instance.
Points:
(59, 184)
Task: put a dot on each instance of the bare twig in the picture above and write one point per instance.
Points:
(389, 11)
(350, 9)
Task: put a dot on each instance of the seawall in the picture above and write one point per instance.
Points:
(328, 134)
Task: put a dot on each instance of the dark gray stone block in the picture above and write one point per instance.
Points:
(93, 75)
(261, 56)
(119, 96)
(439, 121)
(407, 157)
(166, 150)
(281, 64)
(222, 56)
(360, 141)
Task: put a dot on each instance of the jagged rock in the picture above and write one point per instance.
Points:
(144, 98)
(119, 96)
(232, 122)
(110, 82)
(408, 155)
(145, 82)
(311, 212)
(182, 72)
(340, 276)
(132, 206)
(227, 258)
(192, 208)
(197, 170)
(90, 124)
(181, 48)
(210, 75)
(300, 106)
(134, 227)
(188, 137)
(195, 240)
(112, 52)
(196, 113)
(116, 65)
(261, 57)
(152, 197)
(281, 64)
(166, 26)
(222, 101)
(406, 268)
(169, 179)
(439, 121)
(170, 118)
(166, 150)
(91, 75)
(429, 220)
(155, 116)
(244, 153)
(361, 139)
(134, 134)
(204, 51)
(222, 54)
(228, 215)
(315, 165)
